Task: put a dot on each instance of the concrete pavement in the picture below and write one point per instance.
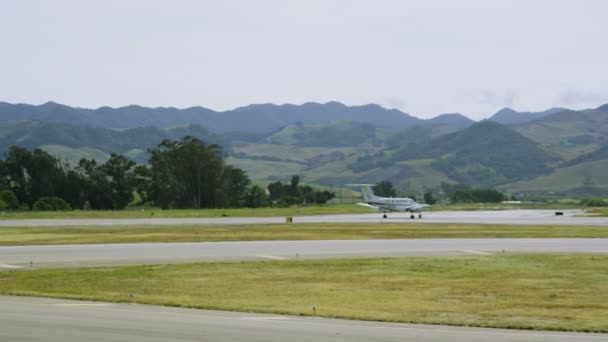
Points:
(157, 253)
(53, 320)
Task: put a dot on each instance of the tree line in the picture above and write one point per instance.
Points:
(187, 173)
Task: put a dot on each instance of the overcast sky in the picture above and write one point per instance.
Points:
(422, 57)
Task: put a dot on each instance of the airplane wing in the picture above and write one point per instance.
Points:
(369, 206)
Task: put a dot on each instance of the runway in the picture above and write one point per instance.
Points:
(513, 217)
(40, 319)
(157, 253)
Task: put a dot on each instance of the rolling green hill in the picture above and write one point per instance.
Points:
(485, 154)
(560, 151)
(569, 133)
(73, 142)
(588, 178)
(332, 134)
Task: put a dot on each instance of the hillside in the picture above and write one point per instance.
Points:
(72, 142)
(485, 154)
(585, 179)
(550, 154)
(420, 134)
(333, 134)
(569, 133)
(451, 119)
(508, 116)
(252, 118)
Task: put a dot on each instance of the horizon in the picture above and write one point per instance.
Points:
(294, 104)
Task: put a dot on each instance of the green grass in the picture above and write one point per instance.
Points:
(189, 213)
(552, 292)
(14, 236)
(599, 212)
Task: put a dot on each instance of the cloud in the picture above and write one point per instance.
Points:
(577, 98)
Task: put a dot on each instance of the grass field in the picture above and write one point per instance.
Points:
(11, 236)
(258, 212)
(599, 212)
(553, 292)
(189, 213)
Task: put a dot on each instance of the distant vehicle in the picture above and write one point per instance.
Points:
(388, 204)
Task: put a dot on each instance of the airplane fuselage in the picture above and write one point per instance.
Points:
(396, 204)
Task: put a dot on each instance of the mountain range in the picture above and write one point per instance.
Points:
(553, 151)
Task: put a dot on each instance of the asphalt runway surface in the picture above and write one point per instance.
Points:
(161, 253)
(517, 217)
(56, 320)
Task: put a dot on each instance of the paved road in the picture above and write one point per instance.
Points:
(520, 217)
(151, 253)
(39, 319)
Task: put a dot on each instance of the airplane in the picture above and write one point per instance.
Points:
(387, 204)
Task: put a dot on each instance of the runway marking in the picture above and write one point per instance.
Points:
(271, 257)
(478, 252)
(83, 304)
(9, 266)
(272, 318)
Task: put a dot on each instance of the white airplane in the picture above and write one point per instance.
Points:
(387, 204)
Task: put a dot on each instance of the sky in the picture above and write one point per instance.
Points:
(423, 57)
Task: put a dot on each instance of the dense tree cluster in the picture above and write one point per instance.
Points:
(293, 193)
(37, 180)
(192, 174)
(385, 189)
(180, 174)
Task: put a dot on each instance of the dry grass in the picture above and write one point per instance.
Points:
(553, 292)
(11, 236)
(187, 213)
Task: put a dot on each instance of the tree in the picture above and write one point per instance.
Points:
(51, 204)
(109, 185)
(295, 194)
(429, 199)
(257, 197)
(322, 197)
(237, 187)
(293, 186)
(119, 180)
(32, 175)
(276, 190)
(385, 189)
(9, 200)
(189, 174)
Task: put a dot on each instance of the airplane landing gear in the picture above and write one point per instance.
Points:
(419, 215)
(384, 216)
(412, 216)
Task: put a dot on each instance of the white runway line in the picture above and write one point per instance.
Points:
(270, 318)
(478, 252)
(271, 257)
(10, 266)
(84, 305)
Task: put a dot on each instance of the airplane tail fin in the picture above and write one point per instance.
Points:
(368, 193)
(366, 190)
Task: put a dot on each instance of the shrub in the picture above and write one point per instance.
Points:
(9, 200)
(594, 202)
(51, 204)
